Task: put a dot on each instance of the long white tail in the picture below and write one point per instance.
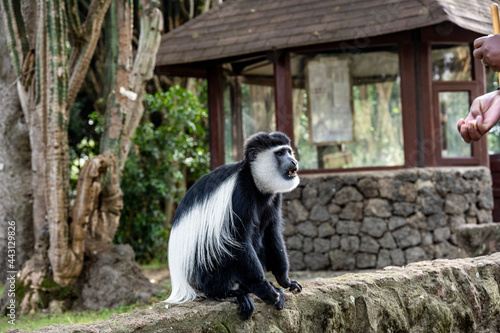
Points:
(200, 237)
(180, 258)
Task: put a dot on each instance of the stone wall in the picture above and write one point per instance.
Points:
(367, 220)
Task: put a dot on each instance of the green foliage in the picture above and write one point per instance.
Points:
(169, 151)
(84, 133)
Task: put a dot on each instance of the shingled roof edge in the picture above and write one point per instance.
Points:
(447, 13)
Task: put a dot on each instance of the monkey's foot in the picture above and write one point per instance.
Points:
(280, 304)
(245, 306)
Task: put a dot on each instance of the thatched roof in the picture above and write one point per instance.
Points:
(240, 27)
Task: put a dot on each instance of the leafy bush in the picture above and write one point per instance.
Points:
(169, 151)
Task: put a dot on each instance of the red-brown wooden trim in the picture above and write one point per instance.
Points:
(216, 115)
(495, 177)
(283, 94)
(451, 86)
(430, 90)
(378, 168)
(430, 140)
(479, 150)
(408, 103)
(481, 147)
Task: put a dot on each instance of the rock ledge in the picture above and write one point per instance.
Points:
(460, 295)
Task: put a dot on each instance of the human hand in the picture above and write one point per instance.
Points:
(484, 113)
(487, 49)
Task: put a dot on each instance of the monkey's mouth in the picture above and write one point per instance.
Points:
(292, 172)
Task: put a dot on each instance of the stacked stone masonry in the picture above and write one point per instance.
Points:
(368, 220)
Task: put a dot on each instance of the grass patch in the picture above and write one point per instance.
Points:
(41, 319)
(154, 264)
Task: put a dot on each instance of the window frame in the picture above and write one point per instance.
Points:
(431, 89)
(404, 44)
(452, 86)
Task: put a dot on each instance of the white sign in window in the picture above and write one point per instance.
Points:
(329, 98)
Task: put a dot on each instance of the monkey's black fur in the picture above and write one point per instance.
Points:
(257, 227)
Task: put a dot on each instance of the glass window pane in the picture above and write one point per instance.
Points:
(494, 140)
(258, 109)
(256, 113)
(378, 124)
(451, 63)
(491, 80)
(452, 107)
(372, 96)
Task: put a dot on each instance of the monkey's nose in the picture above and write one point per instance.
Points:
(294, 162)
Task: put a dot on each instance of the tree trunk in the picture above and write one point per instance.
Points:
(31, 220)
(46, 99)
(123, 113)
(125, 108)
(15, 167)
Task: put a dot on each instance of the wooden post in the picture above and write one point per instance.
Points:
(430, 144)
(283, 94)
(409, 103)
(236, 118)
(480, 148)
(216, 115)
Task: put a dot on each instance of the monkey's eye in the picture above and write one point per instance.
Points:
(279, 153)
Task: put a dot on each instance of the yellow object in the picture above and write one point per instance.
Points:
(494, 18)
(496, 25)
(474, 123)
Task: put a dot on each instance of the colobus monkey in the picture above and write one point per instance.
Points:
(227, 230)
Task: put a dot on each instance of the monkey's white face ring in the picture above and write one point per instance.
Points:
(274, 173)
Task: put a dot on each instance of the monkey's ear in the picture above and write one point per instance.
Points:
(252, 154)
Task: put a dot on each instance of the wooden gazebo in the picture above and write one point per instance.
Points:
(420, 49)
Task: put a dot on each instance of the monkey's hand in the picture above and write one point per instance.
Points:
(291, 285)
(295, 286)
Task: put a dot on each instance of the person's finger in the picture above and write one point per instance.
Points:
(479, 41)
(478, 53)
(473, 132)
(464, 132)
(481, 126)
(475, 110)
(460, 122)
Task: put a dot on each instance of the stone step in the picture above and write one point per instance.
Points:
(479, 239)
